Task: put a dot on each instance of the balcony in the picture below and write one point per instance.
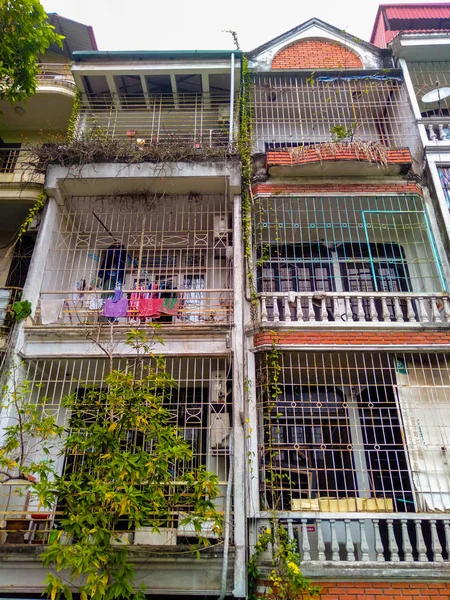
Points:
(339, 261)
(54, 75)
(136, 261)
(8, 295)
(353, 432)
(308, 123)
(396, 539)
(380, 309)
(138, 308)
(198, 121)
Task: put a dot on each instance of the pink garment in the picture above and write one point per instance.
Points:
(149, 307)
(135, 297)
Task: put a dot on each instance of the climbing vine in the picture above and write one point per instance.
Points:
(76, 107)
(245, 150)
(34, 210)
(284, 577)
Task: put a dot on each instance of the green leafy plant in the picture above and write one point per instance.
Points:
(136, 470)
(24, 24)
(341, 133)
(73, 120)
(285, 579)
(34, 210)
(20, 310)
(28, 426)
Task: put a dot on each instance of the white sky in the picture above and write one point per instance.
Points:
(198, 24)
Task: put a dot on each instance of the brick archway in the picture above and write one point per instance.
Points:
(316, 54)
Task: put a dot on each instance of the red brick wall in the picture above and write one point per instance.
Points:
(337, 188)
(352, 338)
(316, 54)
(384, 590)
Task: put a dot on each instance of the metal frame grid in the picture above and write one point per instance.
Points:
(200, 405)
(292, 111)
(345, 432)
(425, 77)
(202, 120)
(173, 252)
(345, 243)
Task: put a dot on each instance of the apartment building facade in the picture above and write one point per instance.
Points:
(304, 311)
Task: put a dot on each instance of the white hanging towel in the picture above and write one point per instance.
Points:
(51, 311)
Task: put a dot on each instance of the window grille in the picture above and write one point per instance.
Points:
(426, 77)
(291, 111)
(354, 432)
(200, 404)
(173, 252)
(345, 244)
(444, 177)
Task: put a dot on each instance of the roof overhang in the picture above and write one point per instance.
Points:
(422, 46)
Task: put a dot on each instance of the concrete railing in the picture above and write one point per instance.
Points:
(346, 308)
(366, 537)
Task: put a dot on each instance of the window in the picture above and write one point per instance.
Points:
(9, 154)
(444, 176)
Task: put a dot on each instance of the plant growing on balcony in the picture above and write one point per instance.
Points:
(27, 427)
(283, 575)
(126, 466)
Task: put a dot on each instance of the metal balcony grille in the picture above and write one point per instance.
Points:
(201, 120)
(292, 111)
(170, 257)
(425, 77)
(354, 432)
(332, 245)
(200, 405)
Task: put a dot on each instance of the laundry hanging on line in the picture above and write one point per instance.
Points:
(114, 308)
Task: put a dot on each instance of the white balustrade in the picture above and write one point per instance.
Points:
(362, 537)
(393, 308)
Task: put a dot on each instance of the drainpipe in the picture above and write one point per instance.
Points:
(230, 137)
(226, 528)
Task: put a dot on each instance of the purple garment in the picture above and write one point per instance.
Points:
(115, 309)
(118, 294)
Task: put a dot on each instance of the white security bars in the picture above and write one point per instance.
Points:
(305, 109)
(134, 260)
(345, 259)
(200, 406)
(427, 77)
(354, 432)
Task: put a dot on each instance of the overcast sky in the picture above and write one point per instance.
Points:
(199, 24)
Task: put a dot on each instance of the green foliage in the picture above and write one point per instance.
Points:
(73, 120)
(342, 133)
(286, 580)
(136, 471)
(26, 34)
(245, 150)
(30, 427)
(20, 310)
(34, 210)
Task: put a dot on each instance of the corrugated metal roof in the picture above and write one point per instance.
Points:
(430, 11)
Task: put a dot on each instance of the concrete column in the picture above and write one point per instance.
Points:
(240, 533)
